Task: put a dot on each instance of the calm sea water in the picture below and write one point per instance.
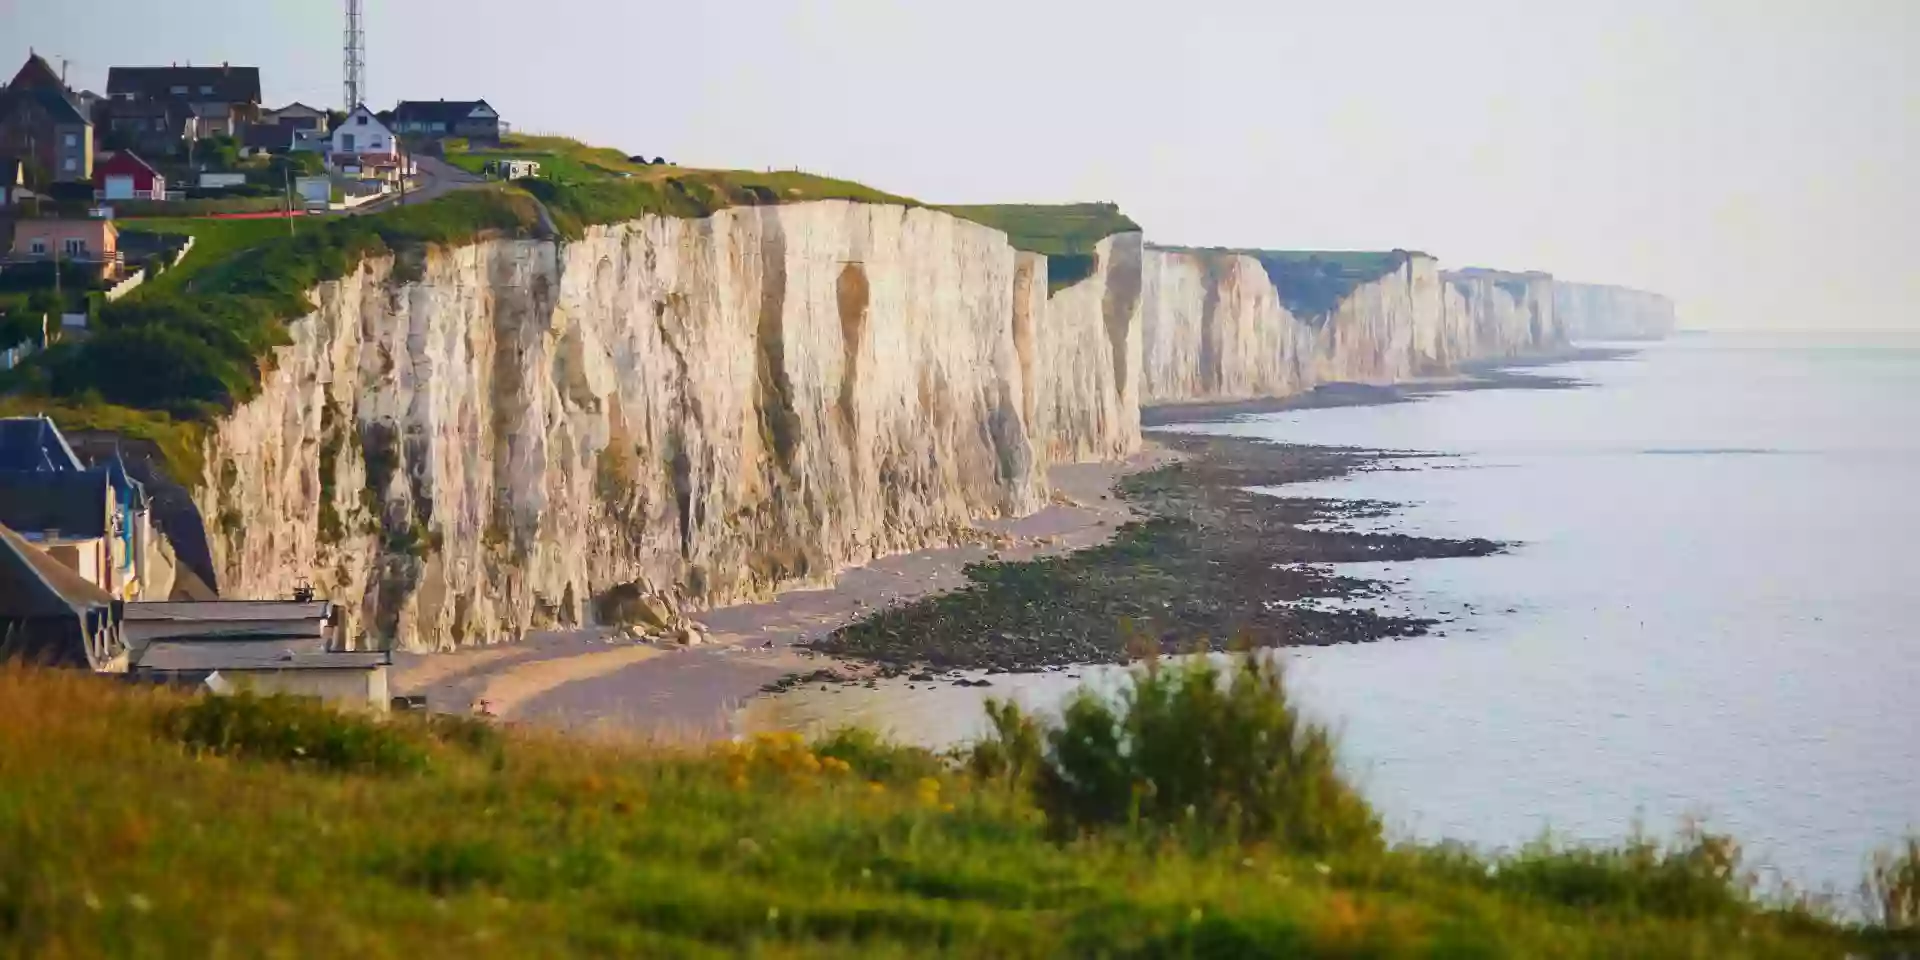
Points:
(1711, 609)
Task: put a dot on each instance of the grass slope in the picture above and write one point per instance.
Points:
(135, 823)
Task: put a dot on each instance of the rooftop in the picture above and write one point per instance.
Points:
(226, 82)
(254, 655)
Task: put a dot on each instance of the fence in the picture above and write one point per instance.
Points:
(126, 286)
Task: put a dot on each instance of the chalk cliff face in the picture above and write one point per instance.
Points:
(1497, 314)
(1216, 328)
(1592, 311)
(1080, 348)
(463, 449)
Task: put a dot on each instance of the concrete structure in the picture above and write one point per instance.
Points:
(349, 680)
(43, 124)
(95, 243)
(512, 169)
(314, 622)
(125, 176)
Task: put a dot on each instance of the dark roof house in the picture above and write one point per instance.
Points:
(224, 83)
(35, 445)
(41, 122)
(72, 505)
(434, 119)
(49, 615)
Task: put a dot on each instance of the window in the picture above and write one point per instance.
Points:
(178, 91)
(39, 248)
(360, 120)
(73, 139)
(70, 165)
(439, 127)
(206, 91)
(76, 247)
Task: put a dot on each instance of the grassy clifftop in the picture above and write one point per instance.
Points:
(140, 822)
(1067, 233)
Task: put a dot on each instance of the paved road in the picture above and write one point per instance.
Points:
(437, 178)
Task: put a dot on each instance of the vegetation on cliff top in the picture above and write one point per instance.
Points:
(1067, 233)
(1200, 820)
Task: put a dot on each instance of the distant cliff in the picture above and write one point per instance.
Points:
(1231, 324)
(1594, 311)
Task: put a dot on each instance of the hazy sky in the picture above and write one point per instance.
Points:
(1754, 159)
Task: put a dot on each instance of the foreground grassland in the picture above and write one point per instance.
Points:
(136, 822)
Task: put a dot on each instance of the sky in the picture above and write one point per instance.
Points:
(1753, 159)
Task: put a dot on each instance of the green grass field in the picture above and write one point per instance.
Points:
(136, 822)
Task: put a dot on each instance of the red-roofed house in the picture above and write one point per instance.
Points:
(124, 176)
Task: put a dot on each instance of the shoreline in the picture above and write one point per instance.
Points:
(1172, 526)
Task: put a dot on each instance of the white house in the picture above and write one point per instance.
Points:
(363, 140)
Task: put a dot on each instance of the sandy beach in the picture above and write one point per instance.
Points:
(588, 680)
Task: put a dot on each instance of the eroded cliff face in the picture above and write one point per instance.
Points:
(463, 449)
(1592, 311)
(1215, 328)
(1499, 314)
(1080, 348)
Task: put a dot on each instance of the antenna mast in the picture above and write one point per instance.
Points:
(354, 68)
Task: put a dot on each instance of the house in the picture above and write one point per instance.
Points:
(311, 141)
(156, 128)
(474, 120)
(364, 148)
(49, 616)
(124, 176)
(266, 138)
(222, 100)
(43, 126)
(97, 521)
(296, 115)
(362, 136)
(67, 515)
(94, 243)
(346, 679)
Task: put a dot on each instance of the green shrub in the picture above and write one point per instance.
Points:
(1194, 749)
(1892, 887)
(1698, 876)
(874, 758)
(293, 730)
(1015, 749)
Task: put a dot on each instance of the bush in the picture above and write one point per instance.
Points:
(292, 730)
(1193, 749)
(1892, 887)
(866, 753)
(1697, 877)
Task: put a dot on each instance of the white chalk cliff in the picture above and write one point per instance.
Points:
(1217, 326)
(1593, 311)
(723, 406)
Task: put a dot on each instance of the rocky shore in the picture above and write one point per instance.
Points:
(1212, 564)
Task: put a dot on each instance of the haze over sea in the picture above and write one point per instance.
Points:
(1710, 608)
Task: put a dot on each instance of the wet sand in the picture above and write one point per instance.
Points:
(589, 681)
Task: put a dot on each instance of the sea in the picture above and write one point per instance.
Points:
(1710, 612)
